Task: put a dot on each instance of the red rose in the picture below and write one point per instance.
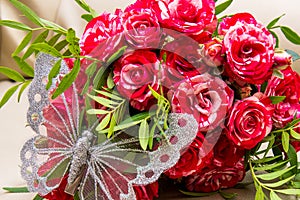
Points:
(133, 73)
(249, 51)
(250, 120)
(208, 98)
(141, 29)
(182, 60)
(147, 192)
(99, 30)
(193, 159)
(212, 53)
(194, 18)
(214, 178)
(296, 145)
(289, 87)
(59, 193)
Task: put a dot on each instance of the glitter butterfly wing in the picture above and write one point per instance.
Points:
(111, 167)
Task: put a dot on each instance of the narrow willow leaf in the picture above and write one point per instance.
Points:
(270, 167)
(53, 73)
(24, 66)
(123, 126)
(277, 73)
(41, 37)
(91, 69)
(44, 47)
(16, 189)
(276, 38)
(12, 74)
(112, 125)
(15, 25)
(100, 77)
(277, 99)
(116, 55)
(274, 21)
(144, 134)
(279, 183)
(227, 195)
(259, 195)
(223, 6)
(104, 122)
(292, 123)
(54, 39)
(103, 101)
(289, 191)
(30, 14)
(293, 158)
(73, 42)
(274, 196)
(54, 26)
(295, 55)
(109, 95)
(110, 82)
(87, 17)
(67, 80)
(38, 197)
(266, 159)
(86, 7)
(97, 112)
(23, 44)
(296, 185)
(8, 95)
(273, 175)
(285, 141)
(197, 194)
(290, 34)
(294, 134)
(23, 87)
(62, 44)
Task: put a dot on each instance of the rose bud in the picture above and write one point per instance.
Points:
(282, 59)
(212, 53)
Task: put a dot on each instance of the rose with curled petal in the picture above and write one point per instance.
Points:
(195, 157)
(250, 120)
(146, 192)
(134, 73)
(289, 87)
(207, 97)
(213, 178)
(212, 53)
(141, 28)
(182, 60)
(195, 18)
(99, 30)
(249, 51)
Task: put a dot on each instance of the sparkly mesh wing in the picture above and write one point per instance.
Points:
(46, 157)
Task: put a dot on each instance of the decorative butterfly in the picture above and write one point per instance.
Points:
(66, 144)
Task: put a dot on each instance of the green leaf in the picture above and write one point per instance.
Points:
(277, 99)
(38, 197)
(62, 44)
(67, 80)
(116, 55)
(266, 159)
(91, 69)
(16, 189)
(44, 47)
(274, 196)
(86, 7)
(103, 101)
(290, 34)
(227, 195)
(285, 141)
(277, 73)
(197, 194)
(293, 159)
(276, 38)
(97, 112)
(104, 122)
(270, 167)
(8, 95)
(31, 15)
(295, 55)
(259, 195)
(23, 87)
(144, 134)
(73, 42)
(15, 25)
(23, 44)
(110, 81)
(53, 73)
(12, 74)
(54, 39)
(279, 183)
(87, 17)
(294, 134)
(274, 21)
(109, 95)
(292, 123)
(273, 175)
(54, 26)
(223, 6)
(289, 191)
(24, 66)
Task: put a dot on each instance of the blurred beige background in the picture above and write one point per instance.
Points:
(65, 12)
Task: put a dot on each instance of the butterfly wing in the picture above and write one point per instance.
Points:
(46, 157)
(114, 167)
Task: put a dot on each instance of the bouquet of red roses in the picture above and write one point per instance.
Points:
(163, 89)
